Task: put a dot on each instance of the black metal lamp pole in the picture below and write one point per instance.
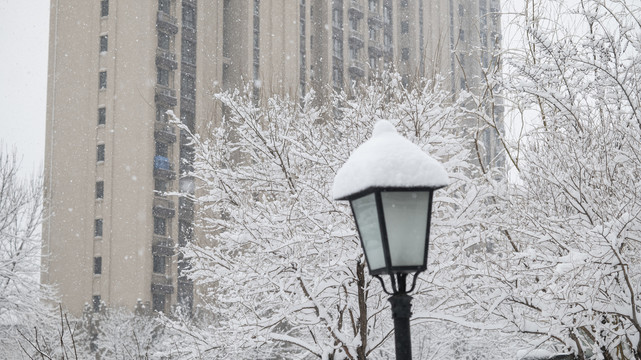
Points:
(401, 312)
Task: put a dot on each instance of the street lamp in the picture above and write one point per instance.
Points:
(390, 183)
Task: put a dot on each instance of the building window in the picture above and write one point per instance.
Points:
(104, 7)
(185, 232)
(187, 86)
(387, 39)
(373, 34)
(188, 118)
(164, 6)
(164, 40)
(189, 16)
(338, 48)
(405, 54)
(161, 186)
(337, 18)
(353, 53)
(96, 303)
(162, 149)
(103, 43)
(338, 77)
(163, 76)
(100, 189)
(161, 114)
(387, 14)
(102, 80)
(158, 302)
(97, 227)
(159, 264)
(100, 152)
(97, 265)
(405, 27)
(189, 52)
(102, 116)
(372, 62)
(373, 5)
(160, 226)
(353, 23)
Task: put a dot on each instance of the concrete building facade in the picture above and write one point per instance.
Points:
(118, 201)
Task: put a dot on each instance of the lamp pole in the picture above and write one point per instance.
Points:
(401, 312)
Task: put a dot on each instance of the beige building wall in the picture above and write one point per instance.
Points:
(174, 55)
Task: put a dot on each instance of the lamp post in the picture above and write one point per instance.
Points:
(390, 183)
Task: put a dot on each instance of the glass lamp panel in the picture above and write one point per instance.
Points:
(406, 223)
(367, 221)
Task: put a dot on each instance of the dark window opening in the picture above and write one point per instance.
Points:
(163, 76)
(161, 114)
(102, 80)
(97, 265)
(405, 27)
(185, 232)
(188, 52)
(405, 54)
(100, 189)
(103, 43)
(161, 186)
(189, 16)
(162, 149)
(159, 264)
(104, 7)
(164, 6)
(158, 302)
(97, 228)
(100, 152)
(96, 303)
(102, 116)
(160, 226)
(164, 40)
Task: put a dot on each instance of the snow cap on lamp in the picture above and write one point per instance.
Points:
(387, 160)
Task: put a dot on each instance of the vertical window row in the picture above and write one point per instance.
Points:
(302, 48)
(103, 43)
(256, 56)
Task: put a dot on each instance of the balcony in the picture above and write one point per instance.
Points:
(355, 9)
(161, 284)
(355, 39)
(357, 67)
(375, 19)
(166, 58)
(166, 96)
(167, 22)
(185, 209)
(164, 132)
(375, 48)
(164, 208)
(389, 50)
(163, 169)
(162, 246)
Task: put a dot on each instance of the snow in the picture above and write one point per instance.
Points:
(387, 160)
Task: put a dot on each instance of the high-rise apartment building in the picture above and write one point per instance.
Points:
(115, 165)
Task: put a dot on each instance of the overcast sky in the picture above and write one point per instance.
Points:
(24, 32)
